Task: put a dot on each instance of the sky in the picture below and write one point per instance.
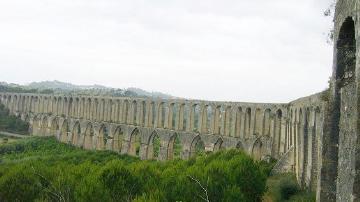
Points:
(228, 50)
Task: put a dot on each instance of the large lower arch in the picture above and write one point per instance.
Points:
(88, 137)
(135, 143)
(76, 132)
(257, 150)
(64, 132)
(54, 129)
(154, 145)
(102, 138)
(44, 126)
(197, 147)
(218, 145)
(118, 139)
(174, 148)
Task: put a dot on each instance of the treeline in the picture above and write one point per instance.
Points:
(61, 88)
(11, 123)
(46, 170)
(19, 89)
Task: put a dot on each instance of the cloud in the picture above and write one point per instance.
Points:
(258, 50)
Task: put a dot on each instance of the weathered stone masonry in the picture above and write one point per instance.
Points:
(119, 124)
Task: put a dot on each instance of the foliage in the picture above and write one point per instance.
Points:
(284, 187)
(41, 169)
(11, 123)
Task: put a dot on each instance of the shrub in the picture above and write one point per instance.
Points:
(43, 169)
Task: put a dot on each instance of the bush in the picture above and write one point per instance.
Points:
(288, 188)
(11, 123)
(43, 169)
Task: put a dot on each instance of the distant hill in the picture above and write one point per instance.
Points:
(58, 87)
(62, 85)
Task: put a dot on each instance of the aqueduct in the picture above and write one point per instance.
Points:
(316, 137)
(131, 126)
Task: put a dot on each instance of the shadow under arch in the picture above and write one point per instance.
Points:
(197, 146)
(118, 139)
(257, 149)
(135, 143)
(174, 147)
(154, 146)
(88, 137)
(76, 132)
(218, 144)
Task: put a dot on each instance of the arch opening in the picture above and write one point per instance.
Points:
(154, 146)
(135, 143)
(174, 147)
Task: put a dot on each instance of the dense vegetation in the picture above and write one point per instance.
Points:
(11, 123)
(284, 187)
(43, 169)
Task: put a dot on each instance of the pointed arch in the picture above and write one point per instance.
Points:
(174, 147)
(197, 147)
(135, 143)
(88, 136)
(76, 133)
(154, 146)
(118, 139)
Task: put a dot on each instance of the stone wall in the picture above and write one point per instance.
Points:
(340, 166)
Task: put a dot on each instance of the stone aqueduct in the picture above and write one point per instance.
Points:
(291, 131)
(317, 139)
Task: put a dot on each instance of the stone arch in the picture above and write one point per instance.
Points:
(227, 120)
(186, 121)
(44, 126)
(118, 139)
(218, 145)
(238, 126)
(125, 111)
(209, 117)
(88, 136)
(197, 146)
(143, 114)
(266, 131)
(217, 119)
(258, 122)
(278, 135)
(152, 114)
(133, 113)
(257, 149)
(135, 143)
(102, 137)
(88, 105)
(196, 110)
(174, 147)
(172, 116)
(247, 125)
(76, 133)
(154, 146)
(161, 115)
(64, 132)
(54, 128)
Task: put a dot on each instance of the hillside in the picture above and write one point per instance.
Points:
(58, 87)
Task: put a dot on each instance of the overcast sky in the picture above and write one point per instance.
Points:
(235, 50)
